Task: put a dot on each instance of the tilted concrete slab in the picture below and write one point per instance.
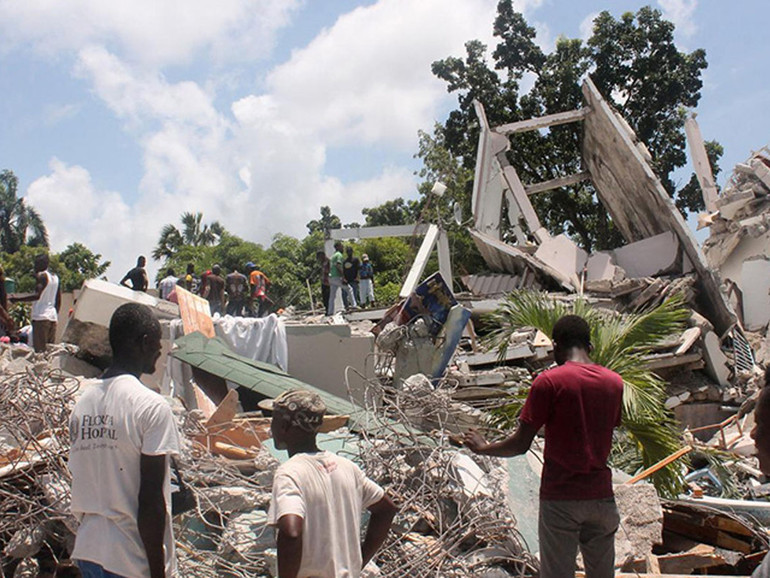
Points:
(635, 198)
(650, 257)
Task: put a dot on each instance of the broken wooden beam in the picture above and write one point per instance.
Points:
(546, 121)
(549, 185)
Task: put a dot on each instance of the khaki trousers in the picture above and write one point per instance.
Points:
(565, 525)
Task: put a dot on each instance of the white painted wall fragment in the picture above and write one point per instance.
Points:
(649, 257)
(755, 276)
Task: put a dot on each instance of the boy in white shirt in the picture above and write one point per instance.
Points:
(122, 434)
(318, 498)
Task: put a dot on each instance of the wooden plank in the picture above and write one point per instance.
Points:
(420, 261)
(652, 565)
(225, 411)
(691, 527)
(536, 188)
(542, 121)
(660, 465)
(195, 313)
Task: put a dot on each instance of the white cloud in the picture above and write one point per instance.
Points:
(587, 26)
(74, 210)
(681, 13)
(259, 165)
(148, 31)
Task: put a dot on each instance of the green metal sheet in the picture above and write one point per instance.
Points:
(214, 356)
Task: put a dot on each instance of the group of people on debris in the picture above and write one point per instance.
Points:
(348, 275)
(236, 294)
(124, 437)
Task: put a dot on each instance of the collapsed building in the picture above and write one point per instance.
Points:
(400, 384)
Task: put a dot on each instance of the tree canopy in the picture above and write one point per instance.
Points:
(637, 67)
(20, 224)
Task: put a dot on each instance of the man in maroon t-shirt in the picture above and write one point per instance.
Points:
(579, 403)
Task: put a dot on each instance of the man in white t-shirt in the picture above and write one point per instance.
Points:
(318, 499)
(167, 284)
(46, 304)
(122, 435)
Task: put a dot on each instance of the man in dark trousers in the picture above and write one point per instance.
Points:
(46, 304)
(319, 497)
(579, 403)
(137, 276)
(122, 435)
(237, 293)
(214, 291)
(351, 266)
(325, 264)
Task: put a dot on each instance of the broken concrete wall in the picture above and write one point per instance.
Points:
(319, 355)
(650, 257)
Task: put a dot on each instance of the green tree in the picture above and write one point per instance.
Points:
(395, 212)
(20, 224)
(634, 63)
(194, 233)
(327, 222)
(77, 264)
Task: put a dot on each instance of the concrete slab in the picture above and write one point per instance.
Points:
(756, 300)
(320, 354)
(600, 267)
(563, 254)
(649, 257)
(716, 361)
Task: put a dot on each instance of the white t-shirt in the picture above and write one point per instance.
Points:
(114, 422)
(167, 285)
(44, 309)
(329, 493)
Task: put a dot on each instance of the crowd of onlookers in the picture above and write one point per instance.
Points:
(352, 277)
(237, 294)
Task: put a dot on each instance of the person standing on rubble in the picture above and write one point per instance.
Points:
(46, 304)
(337, 279)
(258, 284)
(137, 276)
(167, 284)
(214, 292)
(237, 292)
(325, 264)
(351, 267)
(366, 283)
(122, 435)
(318, 498)
(579, 403)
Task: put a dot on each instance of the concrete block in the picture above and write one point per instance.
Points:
(649, 257)
(755, 276)
(761, 171)
(716, 361)
(562, 254)
(600, 267)
(673, 402)
(641, 518)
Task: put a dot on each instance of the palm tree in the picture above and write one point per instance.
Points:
(649, 432)
(194, 233)
(20, 224)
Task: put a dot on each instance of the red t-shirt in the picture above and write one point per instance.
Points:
(579, 404)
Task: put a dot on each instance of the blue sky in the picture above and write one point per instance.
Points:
(118, 116)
